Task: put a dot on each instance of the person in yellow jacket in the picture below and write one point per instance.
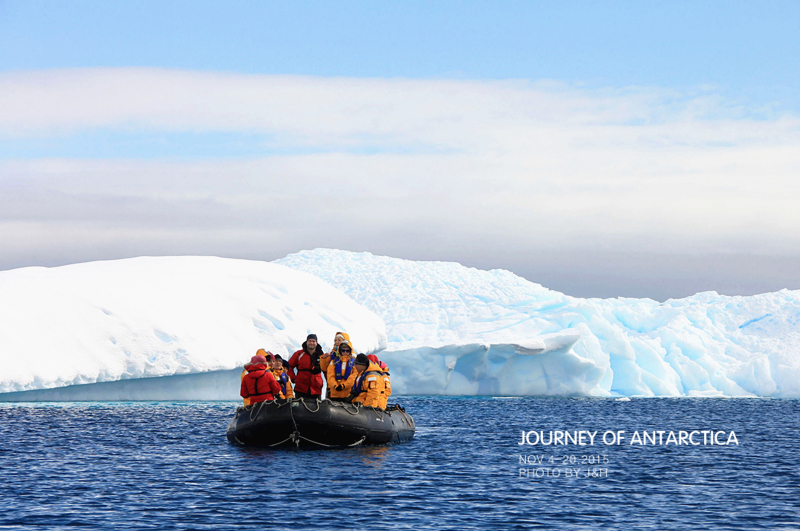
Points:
(369, 383)
(387, 381)
(260, 352)
(341, 373)
(326, 359)
(282, 377)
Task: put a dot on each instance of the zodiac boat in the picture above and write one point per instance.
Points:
(322, 423)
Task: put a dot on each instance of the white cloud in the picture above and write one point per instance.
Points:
(460, 164)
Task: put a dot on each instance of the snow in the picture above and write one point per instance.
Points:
(152, 317)
(459, 330)
(180, 328)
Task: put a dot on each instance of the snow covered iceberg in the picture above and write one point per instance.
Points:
(169, 327)
(181, 327)
(459, 330)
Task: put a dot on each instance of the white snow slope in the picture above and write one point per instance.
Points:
(153, 317)
(459, 330)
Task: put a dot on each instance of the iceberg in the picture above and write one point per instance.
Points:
(463, 331)
(174, 328)
(131, 327)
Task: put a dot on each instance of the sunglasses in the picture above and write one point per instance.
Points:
(345, 350)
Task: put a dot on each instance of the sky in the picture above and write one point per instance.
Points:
(602, 149)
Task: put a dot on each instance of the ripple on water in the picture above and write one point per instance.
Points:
(168, 465)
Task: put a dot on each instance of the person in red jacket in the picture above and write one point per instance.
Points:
(259, 384)
(307, 380)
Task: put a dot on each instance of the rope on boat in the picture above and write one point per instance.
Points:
(292, 437)
(296, 432)
(330, 445)
(260, 407)
(317, 400)
(346, 407)
(295, 436)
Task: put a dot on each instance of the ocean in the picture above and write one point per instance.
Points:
(168, 465)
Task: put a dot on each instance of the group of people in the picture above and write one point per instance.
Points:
(351, 377)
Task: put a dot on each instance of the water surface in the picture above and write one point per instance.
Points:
(168, 466)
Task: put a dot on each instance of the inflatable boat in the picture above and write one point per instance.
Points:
(314, 422)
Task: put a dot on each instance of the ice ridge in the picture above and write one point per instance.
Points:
(459, 330)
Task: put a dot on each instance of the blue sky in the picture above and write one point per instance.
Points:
(599, 148)
(749, 50)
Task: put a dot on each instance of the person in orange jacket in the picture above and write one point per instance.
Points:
(286, 367)
(387, 382)
(258, 384)
(341, 373)
(326, 359)
(260, 352)
(369, 383)
(282, 377)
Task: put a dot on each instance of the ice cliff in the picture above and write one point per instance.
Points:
(180, 327)
(459, 330)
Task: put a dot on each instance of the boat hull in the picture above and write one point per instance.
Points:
(320, 423)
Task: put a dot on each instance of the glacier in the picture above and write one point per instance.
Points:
(173, 328)
(463, 331)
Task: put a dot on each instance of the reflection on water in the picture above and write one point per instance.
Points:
(371, 456)
(375, 457)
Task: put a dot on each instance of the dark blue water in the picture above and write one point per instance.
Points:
(169, 466)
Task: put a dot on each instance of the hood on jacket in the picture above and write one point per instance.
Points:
(374, 359)
(346, 337)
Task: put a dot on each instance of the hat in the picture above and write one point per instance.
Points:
(255, 360)
(267, 355)
(373, 358)
(362, 359)
(312, 336)
(346, 344)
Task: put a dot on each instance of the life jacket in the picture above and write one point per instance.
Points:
(256, 393)
(283, 380)
(372, 379)
(347, 367)
(357, 386)
(258, 385)
(310, 363)
(306, 379)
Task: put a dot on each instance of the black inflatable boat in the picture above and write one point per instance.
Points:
(313, 422)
